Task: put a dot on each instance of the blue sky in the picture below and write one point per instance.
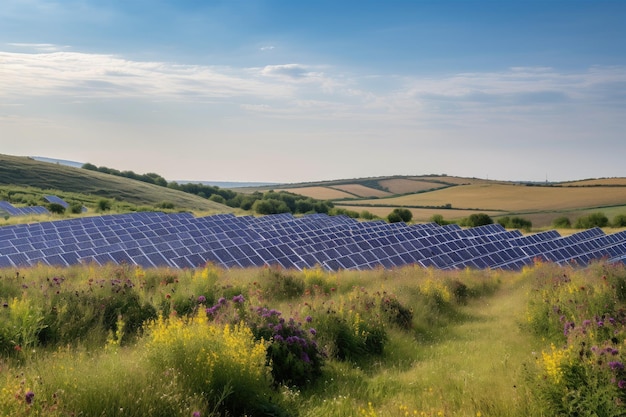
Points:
(290, 91)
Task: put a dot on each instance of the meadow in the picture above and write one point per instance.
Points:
(126, 341)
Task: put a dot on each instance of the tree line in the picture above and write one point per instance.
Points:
(270, 202)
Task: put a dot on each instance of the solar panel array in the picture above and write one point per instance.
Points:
(333, 242)
(11, 210)
(56, 200)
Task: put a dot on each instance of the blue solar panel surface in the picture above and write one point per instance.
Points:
(333, 242)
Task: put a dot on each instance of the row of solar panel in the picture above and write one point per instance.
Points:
(338, 242)
(11, 210)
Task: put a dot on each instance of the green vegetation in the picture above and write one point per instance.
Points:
(400, 215)
(515, 223)
(25, 181)
(121, 340)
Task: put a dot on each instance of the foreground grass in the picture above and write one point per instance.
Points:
(412, 341)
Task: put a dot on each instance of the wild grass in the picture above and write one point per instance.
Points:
(118, 341)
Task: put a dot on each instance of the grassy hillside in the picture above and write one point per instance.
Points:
(90, 186)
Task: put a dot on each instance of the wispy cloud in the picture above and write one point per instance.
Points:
(298, 90)
(267, 48)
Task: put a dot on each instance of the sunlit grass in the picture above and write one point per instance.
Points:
(122, 340)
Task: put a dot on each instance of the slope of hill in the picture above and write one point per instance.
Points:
(26, 172)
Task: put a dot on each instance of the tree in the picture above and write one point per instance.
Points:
(562, 222)
(592, 220)
(56, 208)
(400, 215)
(619, 220)
(479, 219)
(104, 205)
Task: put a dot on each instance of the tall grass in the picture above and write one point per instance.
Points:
(112, 341)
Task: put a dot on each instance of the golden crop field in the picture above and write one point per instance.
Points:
(320, 193)
(404, 185)
(599, 181)
(510, 197)
(361, 190)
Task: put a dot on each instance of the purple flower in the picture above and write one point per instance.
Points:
(196, 414)
(313, 331)
(586, 323)
(201, 299)
(621, 384)
(309, 319)
(221, 301)
(600, 324)
(29, 397)
(616, 366)
(305, 358)
(238, 299)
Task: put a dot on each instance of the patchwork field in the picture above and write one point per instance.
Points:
(405, 185)
(359, 190)
(516, 198)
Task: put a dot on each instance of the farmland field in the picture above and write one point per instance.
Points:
(359, 190)
(517, 198)
(320, 193)
(405, 186)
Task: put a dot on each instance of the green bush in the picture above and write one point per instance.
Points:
(56, 208)
(400, 215)
(592, 220)
(562, 222)
(478, 219)
(619, 221)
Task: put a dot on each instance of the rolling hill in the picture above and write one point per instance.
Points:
(90, 186)
(456, 197)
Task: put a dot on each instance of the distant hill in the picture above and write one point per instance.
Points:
(62, 179)
(225, 184)
(455, 198)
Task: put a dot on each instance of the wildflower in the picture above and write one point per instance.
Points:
(616, 366)
(196, 414)
(309, 319)
(29, 397)
(313, 331)
(621, 384)
(586, 323)
(221, 301)
(201, 299)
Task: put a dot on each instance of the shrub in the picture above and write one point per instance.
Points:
(515, 223)
(562, 222)
(223, 362)
(76, 207)
(400, 215)
(104, 205)
(478, 219)
(619, 221)
(292, 352)
(56, 208)
(592, 220)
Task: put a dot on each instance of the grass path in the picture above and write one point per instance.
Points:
(478, 368)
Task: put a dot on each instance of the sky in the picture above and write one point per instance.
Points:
(293, 91)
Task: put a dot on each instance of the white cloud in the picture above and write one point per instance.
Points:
(267, 48)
